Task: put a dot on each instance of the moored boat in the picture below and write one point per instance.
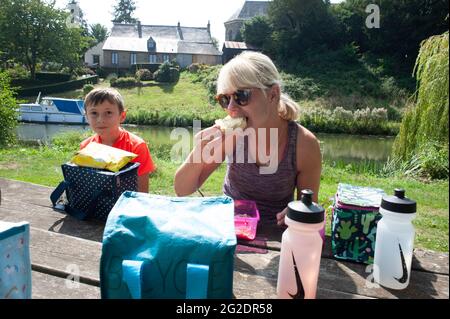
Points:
(53, 110)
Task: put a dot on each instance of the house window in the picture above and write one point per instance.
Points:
(151, 45)
(133, 58)
(230, 35)
(96, 59)
(152, 58)
(115, 58)
(165, 57)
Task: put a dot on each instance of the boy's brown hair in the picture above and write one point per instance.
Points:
(98, 96)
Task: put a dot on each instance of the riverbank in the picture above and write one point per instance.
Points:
(178, 105)
(42, 165)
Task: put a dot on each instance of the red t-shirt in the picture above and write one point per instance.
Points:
(131, 143)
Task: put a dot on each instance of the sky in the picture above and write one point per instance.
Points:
(190, 13)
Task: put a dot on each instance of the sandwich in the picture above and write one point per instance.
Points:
(231, 123)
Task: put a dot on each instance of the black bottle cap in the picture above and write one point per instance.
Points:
(398, 203)
(305, 210)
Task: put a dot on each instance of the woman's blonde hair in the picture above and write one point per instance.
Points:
(255, 70)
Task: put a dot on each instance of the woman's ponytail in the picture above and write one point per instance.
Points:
(288, 108)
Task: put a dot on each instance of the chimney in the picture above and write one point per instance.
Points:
(208, 27)
(139, 26)
(180, 33)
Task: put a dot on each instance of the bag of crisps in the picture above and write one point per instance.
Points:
(102, 156)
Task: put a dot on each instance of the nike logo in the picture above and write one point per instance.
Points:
(300, 291)
(404, 278)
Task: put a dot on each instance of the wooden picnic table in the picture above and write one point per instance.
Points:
(60, 245)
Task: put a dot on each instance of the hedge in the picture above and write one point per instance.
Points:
(53, 77)
(58, 87)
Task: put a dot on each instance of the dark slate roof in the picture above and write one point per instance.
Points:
(196, 35)
(163, 45)
(251, 9)
(131, 31)
(197, 48)
(169, 39)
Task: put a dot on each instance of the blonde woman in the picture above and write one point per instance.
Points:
(249, 87)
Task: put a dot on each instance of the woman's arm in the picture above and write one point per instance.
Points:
(309, 166)
(207, 155)
(309, 163)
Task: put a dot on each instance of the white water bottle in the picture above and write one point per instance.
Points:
(301, 249)
(394, 241)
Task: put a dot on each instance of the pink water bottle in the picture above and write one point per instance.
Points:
(301, 249)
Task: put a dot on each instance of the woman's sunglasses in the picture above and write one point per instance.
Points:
(240, 97)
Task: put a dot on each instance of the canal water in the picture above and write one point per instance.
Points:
(342, 147)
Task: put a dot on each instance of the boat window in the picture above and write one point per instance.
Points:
(36, 108)
(46, 102)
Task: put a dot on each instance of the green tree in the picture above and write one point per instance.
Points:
(301, 25)
(404, 24)
(8, 105)
(99, 32)
(257, 31)
(351, 22)
(123, 11)
(424, 128)
(43, 34)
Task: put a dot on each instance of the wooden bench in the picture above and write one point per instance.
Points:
(61, 245)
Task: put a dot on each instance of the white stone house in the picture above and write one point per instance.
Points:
(93, 57)
(132, 44)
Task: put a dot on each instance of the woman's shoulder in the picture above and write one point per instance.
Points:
(305, 138)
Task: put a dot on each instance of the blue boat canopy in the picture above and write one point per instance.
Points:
(68, 105)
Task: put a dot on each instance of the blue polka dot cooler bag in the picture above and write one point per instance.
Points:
(91, 193)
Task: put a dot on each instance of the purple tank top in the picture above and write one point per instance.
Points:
(272, 192)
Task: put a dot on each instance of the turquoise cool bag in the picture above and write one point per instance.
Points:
(15, 264)
(168, 247)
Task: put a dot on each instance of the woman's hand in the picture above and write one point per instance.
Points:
(280, 217)
(212, 144)
(208, 146)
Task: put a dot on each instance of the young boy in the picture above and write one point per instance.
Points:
(105, 112)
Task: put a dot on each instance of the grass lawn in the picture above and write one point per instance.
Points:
(41, 165)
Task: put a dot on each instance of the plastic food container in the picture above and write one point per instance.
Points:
(246, 217)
